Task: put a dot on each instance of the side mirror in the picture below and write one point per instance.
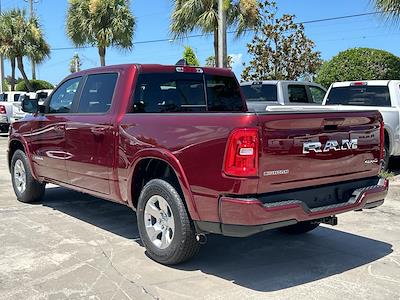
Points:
(29, 105)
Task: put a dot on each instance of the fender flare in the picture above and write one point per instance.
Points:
(390, 134)
(173, 162)
(22, 140)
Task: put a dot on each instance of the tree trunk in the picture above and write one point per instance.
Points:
(225, 63)
(21, 69)
(12, 83)
(102, 53)
(33, 64)
(216, 47)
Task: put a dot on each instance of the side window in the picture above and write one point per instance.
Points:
(297, 94)
(169, 92)
(97, 94)
(63, 97)
(317, 94)
(16, 97)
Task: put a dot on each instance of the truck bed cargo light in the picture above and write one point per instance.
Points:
(189, 70)
(359, 83)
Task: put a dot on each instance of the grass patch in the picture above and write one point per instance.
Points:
(387, 174)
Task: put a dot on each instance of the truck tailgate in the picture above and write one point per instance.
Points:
(316, 148)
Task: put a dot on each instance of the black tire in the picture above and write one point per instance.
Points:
(4, 128)
(386, 158)
(183, 245)
(299, 228)
(34, 189)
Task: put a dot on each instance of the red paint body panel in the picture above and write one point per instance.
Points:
(98, 153)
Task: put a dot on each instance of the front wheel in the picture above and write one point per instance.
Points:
(26, 188)
(164, 225)
(299, 228)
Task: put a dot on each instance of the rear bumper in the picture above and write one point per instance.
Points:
(247, 216)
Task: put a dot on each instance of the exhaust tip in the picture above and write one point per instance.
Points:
(201, 238)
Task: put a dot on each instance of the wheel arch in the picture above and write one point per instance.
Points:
(18, 144)
(151, 164)
(389, 139)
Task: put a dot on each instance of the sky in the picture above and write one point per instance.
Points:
(152, 23)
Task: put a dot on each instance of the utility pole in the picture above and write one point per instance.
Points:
(1, 67)
(31, 15)
(76, 63)
(222, 49)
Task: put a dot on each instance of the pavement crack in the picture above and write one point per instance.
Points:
(127, 279)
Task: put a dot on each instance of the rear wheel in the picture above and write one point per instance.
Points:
(26, 188)
(299, 228)
(386, 157)
(164, 225)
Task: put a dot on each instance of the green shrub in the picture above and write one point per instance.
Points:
(359, 64)
(190, 57)
(36, 85)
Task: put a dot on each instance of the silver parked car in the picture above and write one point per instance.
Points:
(260, 94)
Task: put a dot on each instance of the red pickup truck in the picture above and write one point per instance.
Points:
(178, 145)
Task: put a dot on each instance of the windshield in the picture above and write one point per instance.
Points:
(260, 92)
(359, 95)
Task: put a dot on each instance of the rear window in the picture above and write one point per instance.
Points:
(186, 92)
(360, 95)
(260, 92)
(223, 94)
(3, 97)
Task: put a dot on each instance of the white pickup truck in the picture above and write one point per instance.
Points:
(6, 108)
(382, 95)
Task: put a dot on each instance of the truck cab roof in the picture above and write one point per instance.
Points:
(156, 68)
(364, 82)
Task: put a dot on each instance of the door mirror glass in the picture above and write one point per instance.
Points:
(29, 105)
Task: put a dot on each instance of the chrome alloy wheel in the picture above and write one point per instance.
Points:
(159, 222)
(20, 176)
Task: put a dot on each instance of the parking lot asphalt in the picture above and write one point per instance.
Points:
(74, 246)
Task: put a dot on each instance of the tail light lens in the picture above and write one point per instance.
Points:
(241, 156)
(3, 110)
(382, 140)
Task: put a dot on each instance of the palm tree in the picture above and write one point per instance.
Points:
(40, 50)
(190, 15)
(101, 23)
(20, 37)
(390, 7)
(7, 29)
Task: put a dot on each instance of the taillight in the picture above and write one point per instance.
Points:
(3, 110)
(382, 140)
(241, 156)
